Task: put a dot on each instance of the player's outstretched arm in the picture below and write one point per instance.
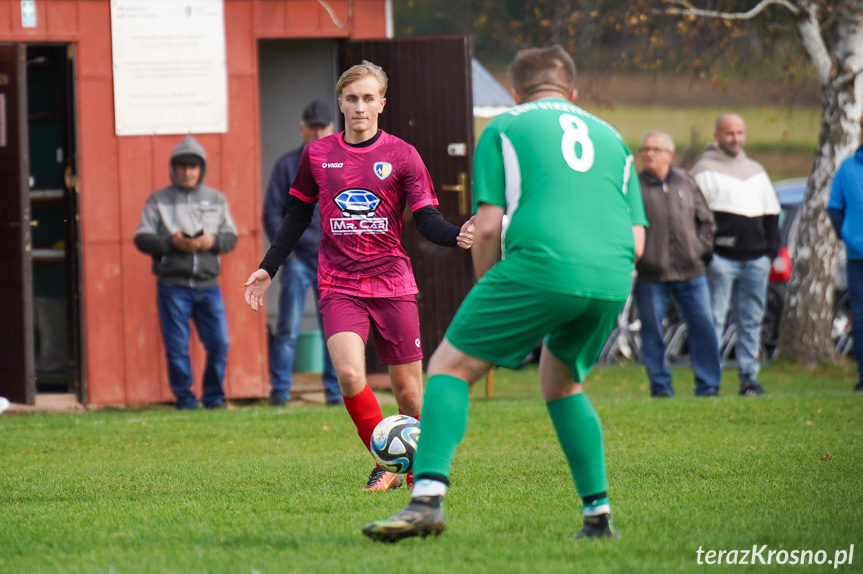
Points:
(486, 248)
(256, 288)
(432, 225)
(639, 234)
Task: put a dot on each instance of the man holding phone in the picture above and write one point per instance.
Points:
(184, 228)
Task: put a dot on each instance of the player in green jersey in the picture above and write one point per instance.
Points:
(558, 186)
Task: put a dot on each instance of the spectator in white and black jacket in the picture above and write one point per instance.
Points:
(746, 210)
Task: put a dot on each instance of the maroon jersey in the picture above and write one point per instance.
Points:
(362, 194)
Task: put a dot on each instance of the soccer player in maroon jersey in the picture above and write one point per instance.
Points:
(362, 179)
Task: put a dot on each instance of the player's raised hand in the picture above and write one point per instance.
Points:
(256, 288)
(465, 236)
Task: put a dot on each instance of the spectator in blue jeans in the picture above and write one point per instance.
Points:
(184, 228)
(845, 208)
(746, 210)
(300, 272)
(679, 239)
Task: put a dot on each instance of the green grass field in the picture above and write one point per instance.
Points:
(769, 127)
(262, 489)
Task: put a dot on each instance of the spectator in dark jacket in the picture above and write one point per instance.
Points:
(679, 239)
(300, 271)
(184, 228)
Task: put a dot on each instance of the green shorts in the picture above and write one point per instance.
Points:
(501, 321)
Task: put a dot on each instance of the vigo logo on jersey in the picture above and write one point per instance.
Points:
(383, 169)
(357, 206)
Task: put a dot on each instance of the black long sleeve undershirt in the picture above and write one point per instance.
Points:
(298, 218)
(432, 226)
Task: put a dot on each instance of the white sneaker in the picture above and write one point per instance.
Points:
(4, 404)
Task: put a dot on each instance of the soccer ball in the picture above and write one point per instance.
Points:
(394, 443)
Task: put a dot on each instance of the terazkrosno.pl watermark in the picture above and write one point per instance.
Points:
(764, 555)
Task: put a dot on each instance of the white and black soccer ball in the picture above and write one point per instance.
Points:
(394, 443)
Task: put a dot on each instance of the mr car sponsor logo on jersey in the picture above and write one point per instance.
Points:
(383, 169)
(358, 207)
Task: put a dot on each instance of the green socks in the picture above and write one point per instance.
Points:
(580, 434)
(444, 421)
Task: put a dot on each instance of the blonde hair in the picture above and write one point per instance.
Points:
(360, 71)
(539, 69)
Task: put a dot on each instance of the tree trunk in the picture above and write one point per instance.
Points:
(805, 333)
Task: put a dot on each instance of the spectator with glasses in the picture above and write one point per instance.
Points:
(679, 240)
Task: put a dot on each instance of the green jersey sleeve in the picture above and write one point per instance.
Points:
(632, 190)
(489, 181)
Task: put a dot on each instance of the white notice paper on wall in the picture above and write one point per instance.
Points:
(170, 71)
(28, 13)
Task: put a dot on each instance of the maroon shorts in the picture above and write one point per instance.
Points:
(395, 322)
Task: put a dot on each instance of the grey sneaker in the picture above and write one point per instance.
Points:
(423, 516)
(750, 389)
(598, 526)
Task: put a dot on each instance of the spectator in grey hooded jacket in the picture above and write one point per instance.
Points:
(184, 228)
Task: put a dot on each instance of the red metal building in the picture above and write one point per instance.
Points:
(96, 183)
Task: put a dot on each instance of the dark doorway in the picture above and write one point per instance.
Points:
(54, 207)
(17, 382)
(41, 288)
(282, 99)
(429, 105)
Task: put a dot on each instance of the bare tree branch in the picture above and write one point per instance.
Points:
(335, 19)
(808, 27)
(687, 9)
(812, 40)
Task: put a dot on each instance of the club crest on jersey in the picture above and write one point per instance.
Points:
(357, 206)
(383, 169)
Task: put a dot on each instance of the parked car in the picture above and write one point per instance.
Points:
(791, 193)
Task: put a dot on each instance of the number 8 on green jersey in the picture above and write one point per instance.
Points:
(571, 198)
